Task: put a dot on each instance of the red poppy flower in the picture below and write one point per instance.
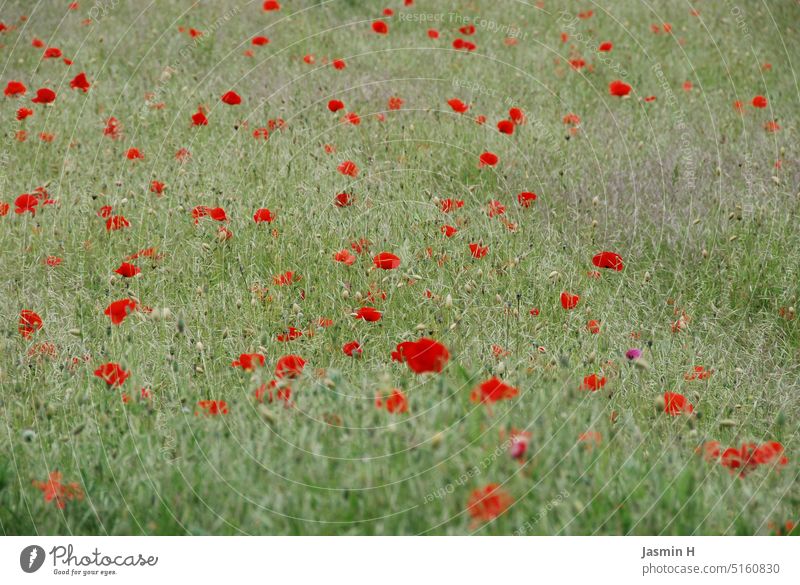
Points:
(290, 335)
(495, 208)
(352, 349)
(448, 230)
(458, 106)
(56, 491)
(448, 205)
(116, 222)
(368, 314)
(146, 253)
(676, 404)
(517, 116)
(380, 27)
(26, 203)
(395, 103)
(260, 41)
(395, 403)
(128, 270)
(231, 98)
(569, 300)
(608, 260)
(263, 215)
(53, 261)
(23, 113)
(80, 82)
(593, 382)
(289, 366)
(487, 159)
(44, 96)
(433, 33)
(29, 323)
(619, 88)
(335, 105)
(213, 407)
(352, 118)
(112, 128)
(770, 452)
(343, 200)
(215, 213)
(112, 374)
(593, 326)
(119, 310)
(270, 5)
(134, 154)
(286, 278)
(577, 63)
(199, 118)
(386, 261)
(605, 47)
(461, 44)
(478, 251)
(759, 101)
(249, 361)
(15, 88)
(348, 168)
(422, 356)
(52, 53)
(493, 390)
(488, 502)
(526, 198)
(505, 126)
(338, 64)
(157, 187)
(345, 257)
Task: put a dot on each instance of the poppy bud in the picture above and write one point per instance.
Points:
(448, 301)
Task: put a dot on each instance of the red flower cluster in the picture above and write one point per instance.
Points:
(746, 458)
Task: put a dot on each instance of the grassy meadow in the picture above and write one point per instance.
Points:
(698, 195)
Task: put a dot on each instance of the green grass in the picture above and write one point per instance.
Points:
(684, 189)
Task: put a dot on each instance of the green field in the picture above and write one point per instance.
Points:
(699, 198)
